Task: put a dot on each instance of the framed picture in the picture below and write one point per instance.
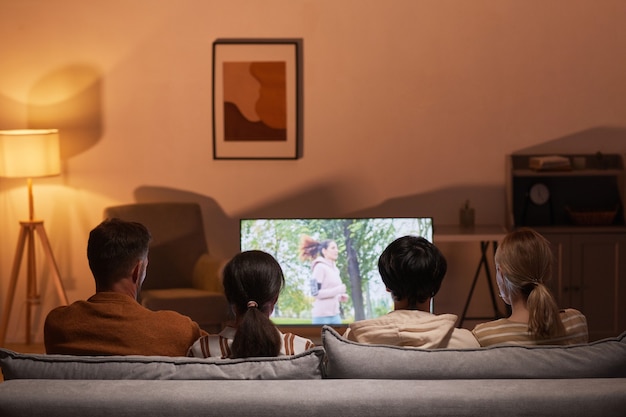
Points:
(257, 98)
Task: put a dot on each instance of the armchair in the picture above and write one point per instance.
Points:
(181, 275)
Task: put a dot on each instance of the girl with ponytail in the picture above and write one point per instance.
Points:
(252, 282)
(523, 267)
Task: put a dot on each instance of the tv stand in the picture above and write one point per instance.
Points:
(486, 236)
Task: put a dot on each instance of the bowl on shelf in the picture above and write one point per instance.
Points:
(591, 217)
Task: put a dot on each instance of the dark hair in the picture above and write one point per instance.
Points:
(311, 248)
(252, 282)
(411, 267)
(113, 249)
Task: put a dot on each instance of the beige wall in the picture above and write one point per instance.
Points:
(410, 107)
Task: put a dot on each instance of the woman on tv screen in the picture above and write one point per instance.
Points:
(326, 285)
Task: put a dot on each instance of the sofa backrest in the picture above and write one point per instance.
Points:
(307, 365)
(346, 359)
(341, 358)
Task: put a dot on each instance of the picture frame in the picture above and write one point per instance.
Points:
(257, 98)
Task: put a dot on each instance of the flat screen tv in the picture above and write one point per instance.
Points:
(360, 241)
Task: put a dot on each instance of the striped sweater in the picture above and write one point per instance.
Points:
(218, 345)
(504, 331)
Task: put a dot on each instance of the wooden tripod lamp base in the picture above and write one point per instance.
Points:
(28, 153)
(26, 240)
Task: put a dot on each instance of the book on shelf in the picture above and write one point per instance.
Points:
(550, 163)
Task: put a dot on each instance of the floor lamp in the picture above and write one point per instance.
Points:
(28, 154)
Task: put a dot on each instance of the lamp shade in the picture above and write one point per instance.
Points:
(29, 153)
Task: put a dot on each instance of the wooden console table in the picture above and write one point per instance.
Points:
(486, 235)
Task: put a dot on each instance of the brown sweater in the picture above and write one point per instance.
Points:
(110, 323)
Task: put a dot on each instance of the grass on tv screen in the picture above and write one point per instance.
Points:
(359, 241)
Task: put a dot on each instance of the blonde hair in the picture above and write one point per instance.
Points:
(525, 261)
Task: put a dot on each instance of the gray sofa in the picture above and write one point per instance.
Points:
(339, 378)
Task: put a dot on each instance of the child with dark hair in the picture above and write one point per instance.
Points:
(412, 269)
(252, 282)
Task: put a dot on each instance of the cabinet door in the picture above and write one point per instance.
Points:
(561, 271)
(598, 286)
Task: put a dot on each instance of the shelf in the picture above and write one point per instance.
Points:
(572, 173)
(608, 230)
(594, 184)
(589, 162)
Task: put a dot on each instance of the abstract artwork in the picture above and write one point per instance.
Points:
(257, 98)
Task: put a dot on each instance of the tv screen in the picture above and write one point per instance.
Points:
(359, 243)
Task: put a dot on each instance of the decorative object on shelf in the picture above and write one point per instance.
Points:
(466, 216)
(257, 98)
(550, 163)
(591, 217)
(27, 154)
(539, 193)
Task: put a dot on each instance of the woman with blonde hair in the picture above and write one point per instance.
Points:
(523, 266)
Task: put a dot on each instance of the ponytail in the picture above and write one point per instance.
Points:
(309, 247)
(544, 319)
(256, 335)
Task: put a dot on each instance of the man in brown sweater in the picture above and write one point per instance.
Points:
(112, 322)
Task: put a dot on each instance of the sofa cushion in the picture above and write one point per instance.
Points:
(346, 359)
(307, 365)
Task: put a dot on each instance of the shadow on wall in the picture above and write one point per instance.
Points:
(605, 139)
(69, 99)
(489, 201)
(322, 200)
(222, 230)
(444, 205)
